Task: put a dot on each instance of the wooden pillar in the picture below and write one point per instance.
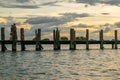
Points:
(116, 40)
(56, 38)
(3, 48)
(14, 37)
(71, 43)
(22, 39)
(37, 46)
(101, 40)
(112, 44)
(72, 39)
(39, 34)
(87, 39)
(38, 39)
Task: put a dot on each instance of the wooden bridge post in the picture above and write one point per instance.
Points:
(22, 39)
(101, 40)
(38, 39)
(72, 39)
(14, 37)
(116, 40)
(3, 48)
(87, 39)
(56, 38)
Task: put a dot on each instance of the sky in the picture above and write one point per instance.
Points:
(63, 14)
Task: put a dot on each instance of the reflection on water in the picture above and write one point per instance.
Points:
(60, 65)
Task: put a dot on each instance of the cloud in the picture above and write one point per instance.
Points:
(96, 31)
(24, 4)
(40, 20)
(106, 30)
(66, 17)
(82, 26)
(3, 20)
(105, 13)
(94, 2)
(75, 14)
(105, 27)
(53, 3)
(27, 4)
(25, 26)
(117, 24)
(48, 23)
(91, 2)
(23, 1)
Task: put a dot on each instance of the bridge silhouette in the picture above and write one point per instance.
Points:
(56, 42)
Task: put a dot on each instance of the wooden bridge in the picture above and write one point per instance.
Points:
(56, 42)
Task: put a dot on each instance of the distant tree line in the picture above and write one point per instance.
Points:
(64, 38)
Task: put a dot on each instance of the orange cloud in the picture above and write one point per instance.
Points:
(2, 20)
(84, 29)
(25, 26)
(64, 34)
(109, 34)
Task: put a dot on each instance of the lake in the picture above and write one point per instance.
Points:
(65, 64)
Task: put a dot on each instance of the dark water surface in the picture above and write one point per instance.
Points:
(60, 65)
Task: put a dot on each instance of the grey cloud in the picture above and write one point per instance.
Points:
(47, 24)
(66, 17)
(105, 13)
(40, 20)
(93, 2)
(83, 26)
(27, 4)
(23, 1)
(24, 4)
(54, 3)
(106, 30)
(117, 24)
(75, 14)
(105, 27)
(19, 6)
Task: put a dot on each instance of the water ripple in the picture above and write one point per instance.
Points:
(60, 65)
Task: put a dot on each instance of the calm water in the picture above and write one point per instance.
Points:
(60, 65)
